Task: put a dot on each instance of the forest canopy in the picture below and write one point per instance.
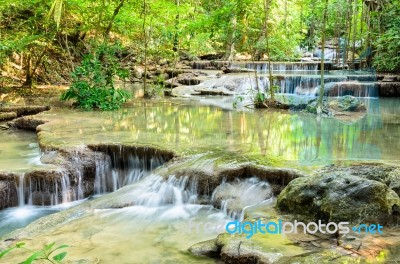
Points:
(51, 36)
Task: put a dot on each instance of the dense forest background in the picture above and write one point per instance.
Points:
(45, 40)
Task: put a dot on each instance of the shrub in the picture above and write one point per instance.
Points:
(93, 86)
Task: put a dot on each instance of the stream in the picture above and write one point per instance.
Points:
(141, 212)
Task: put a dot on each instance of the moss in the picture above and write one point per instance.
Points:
(339, 198)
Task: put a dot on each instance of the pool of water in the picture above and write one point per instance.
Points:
(19, 151)
(193, 126)
(157, 227)
(18, 217)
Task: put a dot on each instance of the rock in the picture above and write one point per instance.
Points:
(4, 127)
(163, 62)
(237, 249)
(389, 89)
(242, 57)
(235, 70)
(213, 91)
(213, 56)
(337, 196)
(207, 248)
(185, 55)
(312, 107)
(8, 192)
(8, 116)
(387, 174)
(393, 180)
(171, 83)
(389, 78)
(209, 65)
(26, 123)
(172, 73)
(24, 110)
(137, 72)
(347, 103)
(184, 79)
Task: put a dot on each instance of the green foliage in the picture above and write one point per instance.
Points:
(259, 99)
(387, 56)
(47, 253)
(154, 90)
(387, 45)
(93, 85)
(56, 11)
(238, 99)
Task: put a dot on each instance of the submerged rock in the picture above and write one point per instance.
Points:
(347, 103)
(341, 196)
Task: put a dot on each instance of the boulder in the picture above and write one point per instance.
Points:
(206, 248)
(347, 103)
(137, 72)
(340, 196)
(188, 78)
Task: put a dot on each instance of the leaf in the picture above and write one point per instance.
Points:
(60, 256)
(48, 246)
(32, 258)
(20, 244)
(56, 11)
(2, 253)
(60, 247)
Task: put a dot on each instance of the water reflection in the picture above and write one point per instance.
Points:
(18, 151)
(262, 135)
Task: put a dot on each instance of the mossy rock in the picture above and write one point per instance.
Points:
(336, 197)
(347, 103)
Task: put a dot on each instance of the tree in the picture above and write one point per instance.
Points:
(322, 86)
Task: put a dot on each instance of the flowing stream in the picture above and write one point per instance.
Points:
(140, 211)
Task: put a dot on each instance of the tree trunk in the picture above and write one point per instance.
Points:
(28, 71)
(176, 35)
(230, 47)
(145, 48)
(354, 34)
(322, 86)
(267, 4)
(106, 33)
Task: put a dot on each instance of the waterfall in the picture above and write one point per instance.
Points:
(116, 171)
(235, 197)
(298, 78)
(21, 190)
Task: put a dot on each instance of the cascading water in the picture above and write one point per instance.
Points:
(21, 191)
(157, 198)
(299, 78)
(42, 191)
(235, 197)
(112, 174)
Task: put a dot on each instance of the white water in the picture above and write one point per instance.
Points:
(236, 197)
(294, 78)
